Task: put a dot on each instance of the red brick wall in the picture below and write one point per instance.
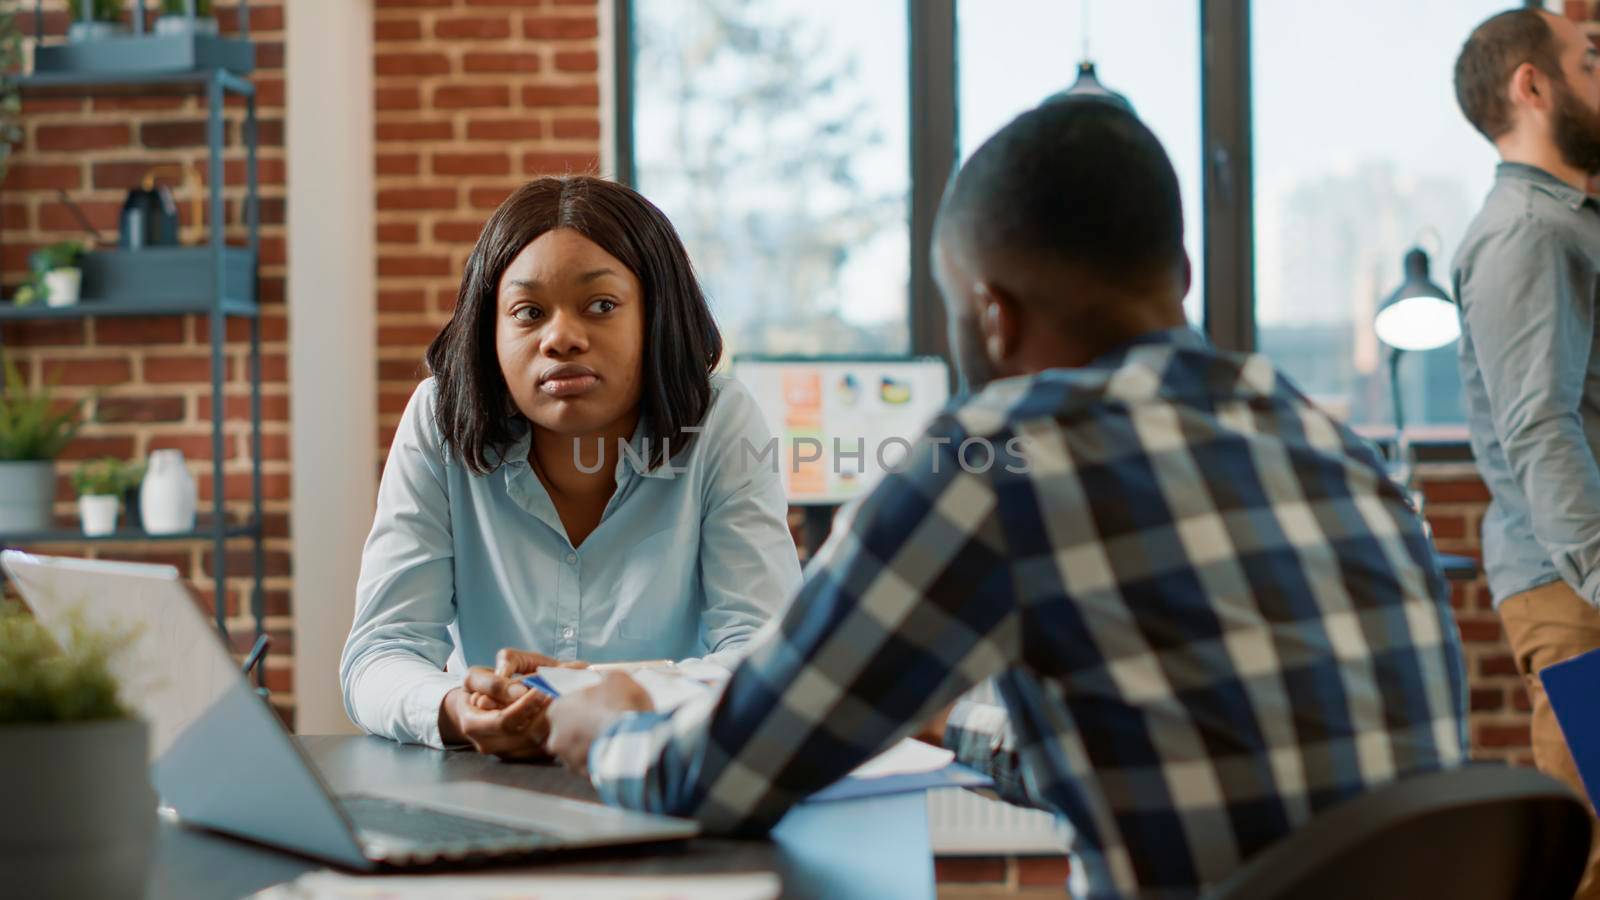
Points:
(473, 98)
(148, 380)
(1454, 502)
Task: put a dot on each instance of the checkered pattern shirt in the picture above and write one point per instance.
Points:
(1208, 612)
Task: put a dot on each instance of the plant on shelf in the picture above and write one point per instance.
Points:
(100, 484)
(175, 18)
(35, 426)
(178, 7)
(94, 20)
(71, 752)
(10, 92)
(96, 10)
(57, 275)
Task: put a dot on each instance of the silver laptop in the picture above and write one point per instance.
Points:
(222, 759)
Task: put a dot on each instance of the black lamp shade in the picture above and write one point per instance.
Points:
(1088, 87)
(1419, 315)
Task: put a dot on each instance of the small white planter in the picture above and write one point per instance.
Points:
(98, 512)
(62, 286)
(175, 24)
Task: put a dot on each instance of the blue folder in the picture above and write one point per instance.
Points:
(953, 775)
(1574, 690)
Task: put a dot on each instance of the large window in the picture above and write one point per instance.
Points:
(774, 134)
(1015, 53)
(777, 134)
(1361, 153)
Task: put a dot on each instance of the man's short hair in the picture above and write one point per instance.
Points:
(1074, 181)
(1495, 50)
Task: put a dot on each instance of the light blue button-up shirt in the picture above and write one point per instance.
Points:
(686, 562)
(1527, 276)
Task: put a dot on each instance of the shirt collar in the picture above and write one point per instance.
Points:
(1539, 178)
(1182, 336)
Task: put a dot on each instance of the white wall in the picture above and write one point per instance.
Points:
(332, 335)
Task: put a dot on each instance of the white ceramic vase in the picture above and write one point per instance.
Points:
(62, 286)
(167, 496)
(98, 512)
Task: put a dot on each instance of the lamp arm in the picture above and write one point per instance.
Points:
(1400, 447)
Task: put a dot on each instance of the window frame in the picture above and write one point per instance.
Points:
(1228, 242)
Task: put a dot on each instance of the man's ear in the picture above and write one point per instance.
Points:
(1000, 323)
(1529, 87)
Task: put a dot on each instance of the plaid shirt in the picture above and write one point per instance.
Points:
(1208, 612)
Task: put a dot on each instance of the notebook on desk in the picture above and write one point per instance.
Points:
(1574, 690)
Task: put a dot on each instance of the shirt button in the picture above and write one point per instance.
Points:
(572, 558)
(567, 632)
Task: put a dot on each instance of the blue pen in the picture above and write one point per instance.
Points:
(539, 684)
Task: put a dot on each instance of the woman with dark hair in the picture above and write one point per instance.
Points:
(573, 480)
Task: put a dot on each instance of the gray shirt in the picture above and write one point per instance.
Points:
(1530, 366)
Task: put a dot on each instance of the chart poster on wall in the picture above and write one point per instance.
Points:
(840, 423)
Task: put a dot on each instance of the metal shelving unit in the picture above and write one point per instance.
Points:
(218, 299)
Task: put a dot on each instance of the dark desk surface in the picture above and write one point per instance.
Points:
(819, 850)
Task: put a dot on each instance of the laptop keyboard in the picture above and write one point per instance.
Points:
(435, 829)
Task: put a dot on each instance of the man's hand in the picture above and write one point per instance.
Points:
(576, 720)
(933, 730)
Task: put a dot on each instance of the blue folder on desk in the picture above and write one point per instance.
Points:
(1574, 690)
(953, 775)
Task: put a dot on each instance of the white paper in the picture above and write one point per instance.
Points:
(326, 885)
(569, 681)
(700, 670)
(668, 690)
(909, 757)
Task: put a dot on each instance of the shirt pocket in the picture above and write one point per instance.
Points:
(655, 601)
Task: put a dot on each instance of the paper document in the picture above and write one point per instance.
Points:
(668, 689)
(909, 757)
(326, 885)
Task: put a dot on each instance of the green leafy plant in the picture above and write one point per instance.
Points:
(41, 262)
(103, 477)
(60, 255)
(99, 10)
(10, 93)
(43, 681)
(175, 7)
(32, 425)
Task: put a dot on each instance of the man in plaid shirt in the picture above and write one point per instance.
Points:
(1208, 612)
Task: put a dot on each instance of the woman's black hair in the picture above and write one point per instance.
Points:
(474, 411)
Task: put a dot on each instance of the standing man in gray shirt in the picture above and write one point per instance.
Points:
(1526, 278)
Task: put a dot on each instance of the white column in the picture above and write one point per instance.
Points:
(332, 335)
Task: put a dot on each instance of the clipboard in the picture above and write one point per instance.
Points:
(1573, 687)
(851, 788)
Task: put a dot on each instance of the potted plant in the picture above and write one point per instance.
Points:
(74, 766)
(99, 484)
(33, 430)
(57, 275)
(11, 65)
(94, 20)
(186, 17)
